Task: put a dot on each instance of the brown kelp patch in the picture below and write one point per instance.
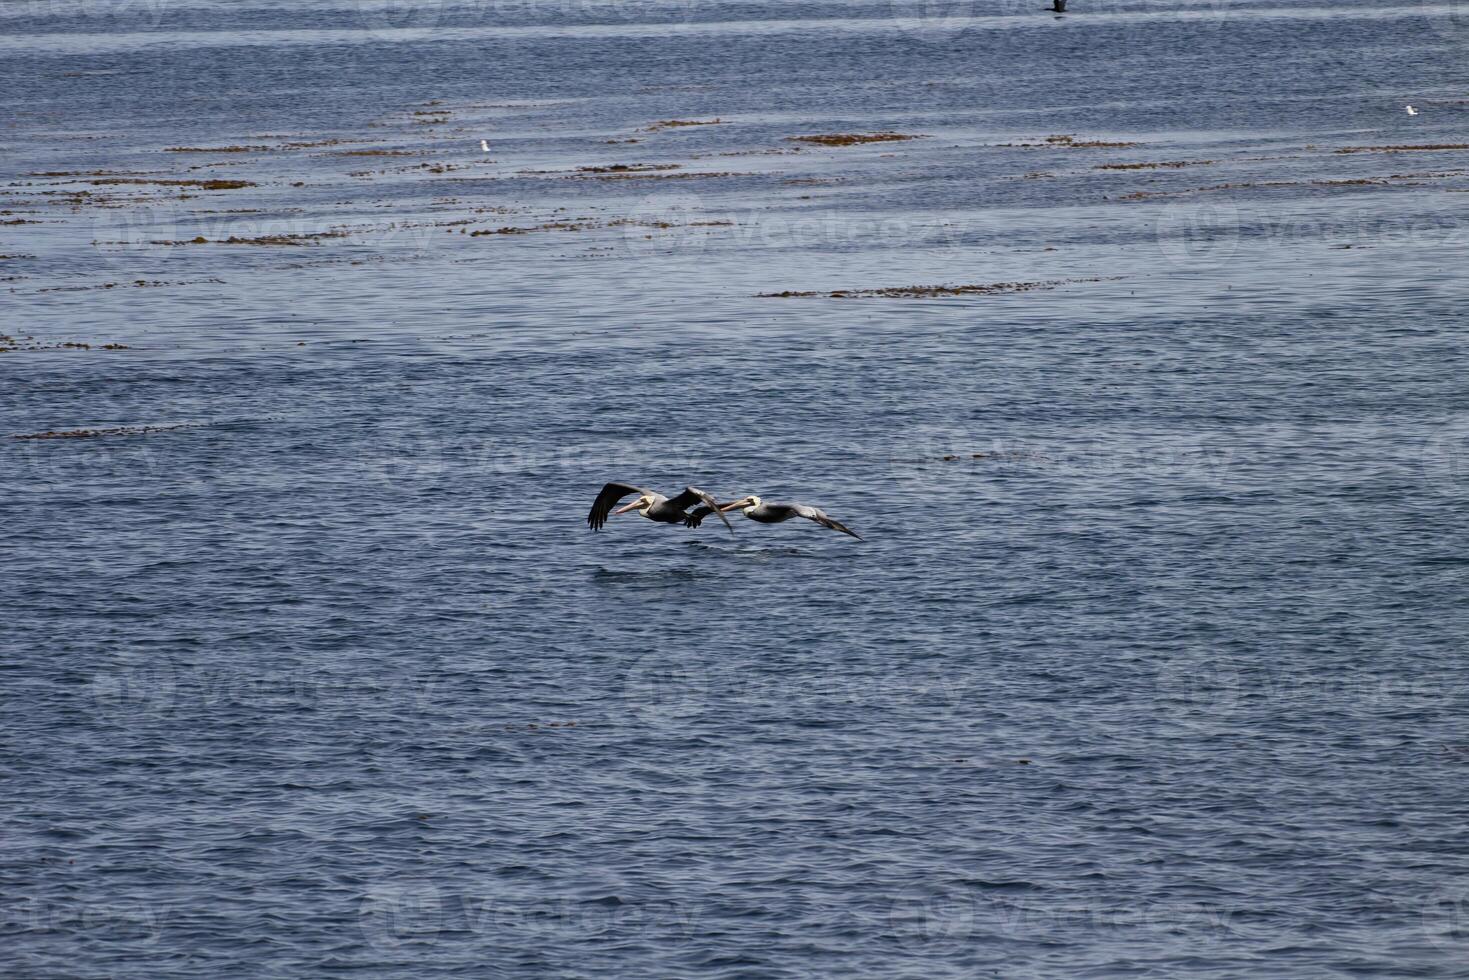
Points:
(121, 430)
(29, 343)
(217, 149)
(1168, 164)
(924, 292)
(136, 283)
(664, 175)
(590, 224)
(1013, 455)
(93, 173)
(854, 139)
(1403, 148)
(628, 168)
(301, 238)
(1062, 140)
(214, 184)
(679, 123)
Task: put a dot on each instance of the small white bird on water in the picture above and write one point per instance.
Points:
(1411, 110)
(484, 145)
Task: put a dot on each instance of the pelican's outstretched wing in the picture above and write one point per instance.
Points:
(693, 495)
(819, 516)
(610, 495)
(697, 515)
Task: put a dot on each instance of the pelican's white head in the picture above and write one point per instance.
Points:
(640, 505)
(743, 504)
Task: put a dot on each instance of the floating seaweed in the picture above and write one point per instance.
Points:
(121, 430)
(1050, 142)
(1408, 148)
(663, 175)
(1091, 144)
(303, 238)
(923, 292)
(28, 343)
(676, 123)
(628, 168)
(1172, 164)
(218, 149)
(208, 185)
(138, 283)
(852, 139)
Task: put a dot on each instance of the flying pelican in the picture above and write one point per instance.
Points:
(761, 512)
(652, 505)
(1411, 110)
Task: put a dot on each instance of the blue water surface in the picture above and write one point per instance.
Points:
(1150, 662)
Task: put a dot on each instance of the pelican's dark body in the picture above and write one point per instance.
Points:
(761, 512)
(663, 511)
(650, 504)
(770, 513)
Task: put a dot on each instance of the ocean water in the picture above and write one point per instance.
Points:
(1150, 661)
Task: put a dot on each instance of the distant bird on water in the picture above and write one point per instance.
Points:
(1411, 110)
(484, 145)
(761, 512)
(652, 505)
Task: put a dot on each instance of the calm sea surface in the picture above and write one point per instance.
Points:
(1151, 663)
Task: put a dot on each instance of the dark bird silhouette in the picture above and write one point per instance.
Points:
(651, 504)
(761, 512)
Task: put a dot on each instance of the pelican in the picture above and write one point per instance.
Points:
(652, 505)
(761, 512)
(1411, 110)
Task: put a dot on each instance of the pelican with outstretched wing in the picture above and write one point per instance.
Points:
(762, 512)
(652, 505)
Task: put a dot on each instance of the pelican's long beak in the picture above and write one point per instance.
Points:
(745, 502)
(632, 506)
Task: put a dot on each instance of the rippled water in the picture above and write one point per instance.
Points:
(1150, 663)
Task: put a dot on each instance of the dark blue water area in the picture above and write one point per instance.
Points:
(1149, 661)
